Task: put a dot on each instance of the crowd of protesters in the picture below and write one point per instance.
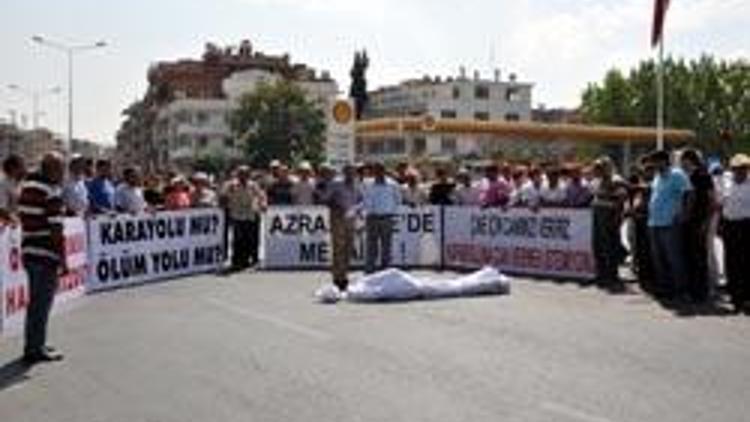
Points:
(672, 206)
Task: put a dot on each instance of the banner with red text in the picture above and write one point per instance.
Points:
(550, 242)
(14, 286)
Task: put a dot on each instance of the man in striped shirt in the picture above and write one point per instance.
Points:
(39, 206)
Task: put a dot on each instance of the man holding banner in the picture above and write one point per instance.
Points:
(244, 201)
(381, 201)
(40, 205)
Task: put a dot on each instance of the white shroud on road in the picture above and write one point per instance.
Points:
(397, 285)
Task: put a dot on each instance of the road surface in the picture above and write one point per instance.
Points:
(256, 347)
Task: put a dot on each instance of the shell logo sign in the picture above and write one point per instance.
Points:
(342, 112)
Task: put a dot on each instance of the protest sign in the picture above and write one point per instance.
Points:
(14, 285)
(300, 237)
(550, 242)
(126, 250)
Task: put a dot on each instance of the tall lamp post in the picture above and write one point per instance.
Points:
(35, 96)
(69, 50)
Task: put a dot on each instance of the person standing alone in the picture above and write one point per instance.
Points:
(40, 204)
(343, 197)
(381, 201)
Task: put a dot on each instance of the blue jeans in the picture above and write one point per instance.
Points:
(668, 255)
(43, 279)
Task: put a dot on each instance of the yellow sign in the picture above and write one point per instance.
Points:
(342, 112)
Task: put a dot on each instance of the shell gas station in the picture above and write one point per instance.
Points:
(621, 142)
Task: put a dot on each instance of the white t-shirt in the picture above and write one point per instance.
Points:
(554, 196)
(468, 195)
(129, 199)
(527, 196)
(8, 195)
(303, 192)
(736, 200)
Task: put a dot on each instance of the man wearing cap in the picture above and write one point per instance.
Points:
(343, 196)
(245, 201)
(202, 195)
(381, 200)
(670, 198)
(735, 203)
(303, 190)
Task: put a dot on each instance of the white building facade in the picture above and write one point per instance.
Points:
(458, 98)
(188, 129)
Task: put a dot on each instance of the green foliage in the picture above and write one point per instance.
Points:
(358, 89)
(277, 121)
(707, 96)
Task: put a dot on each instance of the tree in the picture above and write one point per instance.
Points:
(358, 89)
(707, 96)
(277, 121)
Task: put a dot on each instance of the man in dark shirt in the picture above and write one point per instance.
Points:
(40, 205)
(441, 192)
(280, 191)
(697, 221)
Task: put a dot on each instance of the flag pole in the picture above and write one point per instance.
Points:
(660, 97)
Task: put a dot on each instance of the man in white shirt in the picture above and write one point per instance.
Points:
(303, 190)
(381, 201)
(553, 191)
(75, 193)
(530, 193)
(467, 193)
(129, 195)
(736, 232)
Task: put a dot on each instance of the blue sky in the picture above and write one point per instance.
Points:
(560, 45)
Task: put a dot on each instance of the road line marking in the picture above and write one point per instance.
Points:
(572, 413)
(272, 320)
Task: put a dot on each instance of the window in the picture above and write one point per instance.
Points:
(512, 117)
(228, 142)
(456, 92)
(448, 145)
(202, 142)
(183, 116)
(395, 146)
(513, 95)
(482, 115)
(419, 146)
(448, 114)
(201, 118)
(482, 92)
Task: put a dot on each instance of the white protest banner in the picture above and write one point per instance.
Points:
(126, 249)
(300, 237)
(550, 242)
(14, 281)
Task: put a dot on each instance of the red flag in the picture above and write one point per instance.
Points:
(660, 12)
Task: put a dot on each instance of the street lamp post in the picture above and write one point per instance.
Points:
(69, 51)
(35, 96)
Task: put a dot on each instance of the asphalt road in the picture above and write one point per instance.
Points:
(256, 347)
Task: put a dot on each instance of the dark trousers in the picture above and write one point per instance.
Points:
(696, 245)
(736, 236)
(607, 245)
(668, 252)
(245, 242)
(43, 281)
(342, 238)
(642, 263)
(379, 230)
